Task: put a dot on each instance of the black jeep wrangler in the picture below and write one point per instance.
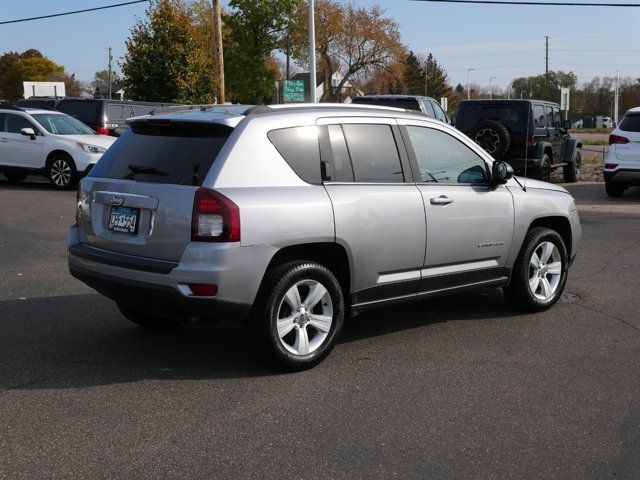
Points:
(523, 132)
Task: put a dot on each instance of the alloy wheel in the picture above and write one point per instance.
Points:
(305, 317)
(545, 271)
(488, 139)
(60, 172)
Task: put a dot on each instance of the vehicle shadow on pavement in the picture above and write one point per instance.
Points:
(595, 194)
(31, 183)
(83, 341)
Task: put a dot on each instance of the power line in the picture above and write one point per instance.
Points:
(554, 4)
(72, 13)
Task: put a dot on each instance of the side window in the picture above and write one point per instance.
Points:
(549, 113)
(557, 118)
(440, 115)
(445, 159)
(342, 169)
(300, 148)
(2, 116)
(127, 112)
(374, 153)
(140, 110)
(15, 123)
(539, 118)
(114, 112)
(428, 108)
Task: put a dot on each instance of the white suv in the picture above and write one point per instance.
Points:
(49, 143)
(622, 166)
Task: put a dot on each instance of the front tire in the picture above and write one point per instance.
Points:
(544, 172)
(540, 271)
(298, 315)
(61, 171)
(147, 320)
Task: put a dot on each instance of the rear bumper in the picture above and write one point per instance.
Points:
(159, 299)
(625, 176)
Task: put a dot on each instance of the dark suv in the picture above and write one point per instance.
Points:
(523, 132)
(107, 117)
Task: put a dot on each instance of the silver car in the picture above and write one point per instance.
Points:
(292, 218)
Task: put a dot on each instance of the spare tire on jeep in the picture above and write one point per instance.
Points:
(493, 136)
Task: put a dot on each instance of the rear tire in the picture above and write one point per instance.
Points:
(15, 177)
(147, 320)
(540, 271)
(298, 315)
(571, 172)
(614, 189)
(493, 137)
(61, 171)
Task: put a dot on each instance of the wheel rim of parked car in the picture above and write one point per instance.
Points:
(60, 172)
(488, 139)
(545, 271)
(305, 316)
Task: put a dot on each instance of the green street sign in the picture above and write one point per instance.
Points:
(293, 91)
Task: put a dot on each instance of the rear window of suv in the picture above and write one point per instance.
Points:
(176, 153)
(630, 123)
(86, 111)
(513, 116)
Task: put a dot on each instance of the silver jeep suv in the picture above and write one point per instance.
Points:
(292, 218)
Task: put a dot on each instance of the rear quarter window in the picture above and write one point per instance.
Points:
(85, 111)
(630, 123)
(300, 148)
(178, 153)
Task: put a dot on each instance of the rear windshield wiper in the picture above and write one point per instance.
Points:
(147, 170)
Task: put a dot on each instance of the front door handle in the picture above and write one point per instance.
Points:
(441, 200)
(4, 140)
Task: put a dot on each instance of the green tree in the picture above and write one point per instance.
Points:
(254, 29)
(32, 69)
(413, 75)
(437, 81)
(165, 61)
(544, 87)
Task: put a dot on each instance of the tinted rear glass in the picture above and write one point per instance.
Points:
(300, 148)
(630, 123)
(407, 103)
(374, 153)
(83, 110)
(514, 117)
(179, 154)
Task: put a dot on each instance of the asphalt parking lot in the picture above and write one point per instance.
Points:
(459, 387)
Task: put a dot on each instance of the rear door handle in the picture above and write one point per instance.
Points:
(441, 200)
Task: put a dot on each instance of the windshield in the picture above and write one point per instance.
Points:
(62, 124)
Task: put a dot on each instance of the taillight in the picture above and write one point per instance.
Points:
(102, 130)
(531, 142)
(215, 218)
(617, 139)
(610, 166)
(203, 290)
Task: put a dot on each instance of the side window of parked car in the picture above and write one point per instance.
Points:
(373, 153)
(557, 118)
(342, 168)
(15, 123)
(443, 158)
(440, 115)
(549, 113)
(428, 108)
(300, 148)
(539, 118)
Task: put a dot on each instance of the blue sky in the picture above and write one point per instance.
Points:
(498, 41)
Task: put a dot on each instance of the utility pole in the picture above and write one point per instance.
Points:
(312, 52)
(217, 49)
(617, 98)
(288, 54)
(469, 70)
(110, 60)
(491, 87)
(426, 77)
(546, 55)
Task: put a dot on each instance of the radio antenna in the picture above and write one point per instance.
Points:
(526, 149)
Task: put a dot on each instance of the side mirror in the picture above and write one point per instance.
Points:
(566, 125)
(501, 172)
(28, 132)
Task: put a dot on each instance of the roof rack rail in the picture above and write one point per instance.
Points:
(7, 106)
(211, 107)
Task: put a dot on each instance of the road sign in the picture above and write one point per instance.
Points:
(564, 99)
(293, 91)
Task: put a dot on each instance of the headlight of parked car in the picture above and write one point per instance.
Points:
(91, 148)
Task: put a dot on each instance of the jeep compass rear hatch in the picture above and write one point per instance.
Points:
(139, 197)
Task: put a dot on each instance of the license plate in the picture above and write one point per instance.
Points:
(124, 220)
